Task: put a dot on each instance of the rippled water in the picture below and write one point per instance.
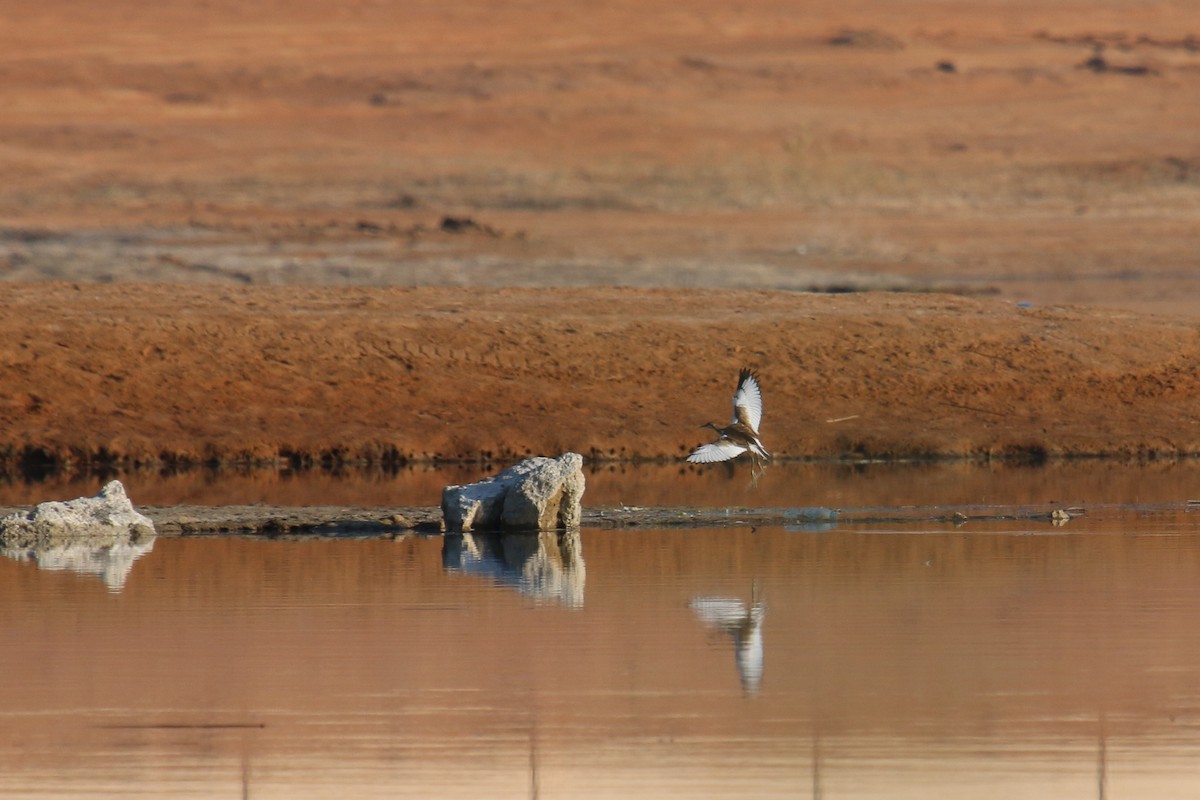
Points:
(997, 660)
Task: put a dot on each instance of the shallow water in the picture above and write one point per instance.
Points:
(1008, 659)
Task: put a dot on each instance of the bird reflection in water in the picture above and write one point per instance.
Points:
(546, 566)
(744, 625)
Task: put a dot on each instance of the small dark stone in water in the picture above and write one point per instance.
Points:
(458, 224)
(403, 201)
(1098, 63)
(865, 38)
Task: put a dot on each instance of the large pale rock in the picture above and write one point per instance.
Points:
(536, 494)
(107, 518)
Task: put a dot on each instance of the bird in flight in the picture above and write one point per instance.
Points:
(741, 435)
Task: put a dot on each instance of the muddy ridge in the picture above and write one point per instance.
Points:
(138, 374)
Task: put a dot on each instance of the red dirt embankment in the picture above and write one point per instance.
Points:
(1042, 152)
(140, 373)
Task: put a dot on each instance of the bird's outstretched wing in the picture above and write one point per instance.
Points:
(747, 402)
(720, 450)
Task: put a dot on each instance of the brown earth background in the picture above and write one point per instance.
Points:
(419, 231)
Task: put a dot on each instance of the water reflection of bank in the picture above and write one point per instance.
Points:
(787, 484)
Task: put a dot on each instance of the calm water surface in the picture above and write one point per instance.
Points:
(997, 660)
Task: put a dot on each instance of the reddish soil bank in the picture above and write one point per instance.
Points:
(139, 373)
(1008, 150)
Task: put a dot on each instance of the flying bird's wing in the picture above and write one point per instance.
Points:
(720, 450)
(747, 402)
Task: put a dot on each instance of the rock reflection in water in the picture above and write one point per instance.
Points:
(545, 566)
(744, 625)
(111, 563)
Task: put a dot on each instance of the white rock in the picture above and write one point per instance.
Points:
(475, 506)
(536, 494)
(107, 518)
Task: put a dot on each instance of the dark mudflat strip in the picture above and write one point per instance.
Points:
(285, 522)
(184, 726)
(812, 518)
(350, 521)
